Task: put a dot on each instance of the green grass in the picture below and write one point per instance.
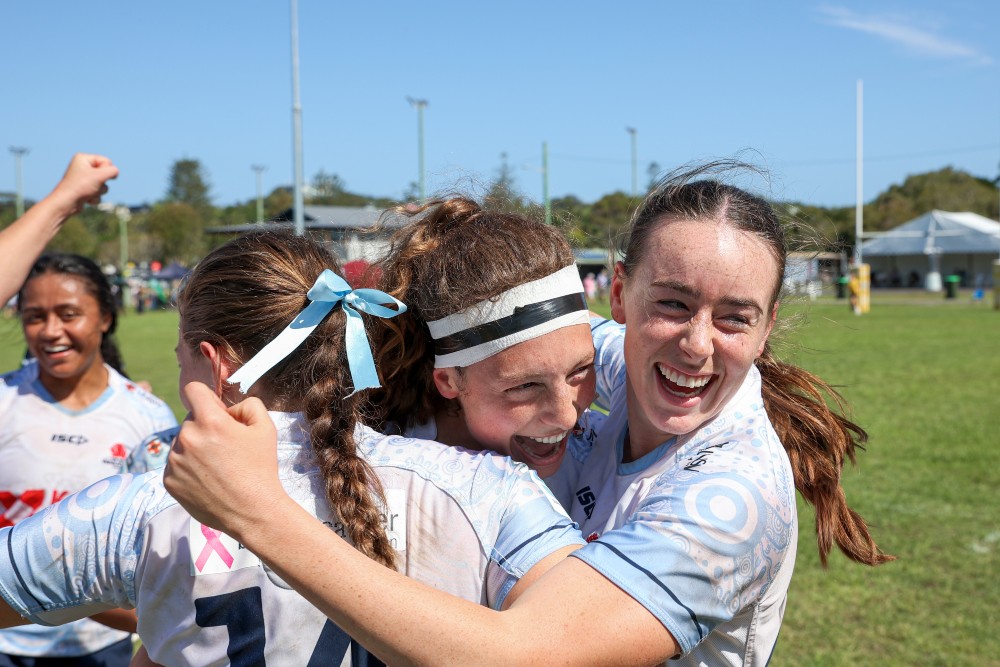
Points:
(923, 376)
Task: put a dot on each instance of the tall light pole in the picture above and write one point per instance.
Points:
(420, 105)
(19, 152)
(545, 183)
(259, 169)
(300, 227)
(859, 208)
(635, 176)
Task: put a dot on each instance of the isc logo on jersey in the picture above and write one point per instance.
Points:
(71, 439)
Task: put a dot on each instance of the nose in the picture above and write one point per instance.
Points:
(561, 409)
(53, 327)
(697, 342)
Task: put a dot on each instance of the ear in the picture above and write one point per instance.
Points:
(446, 381)
(221, 366)
(770, 326)
(105, 322)
(617, 289)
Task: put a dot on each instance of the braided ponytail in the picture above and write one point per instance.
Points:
(239, 298)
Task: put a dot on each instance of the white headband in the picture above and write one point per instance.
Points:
(521, 313)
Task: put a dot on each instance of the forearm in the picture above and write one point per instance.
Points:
(9, 617)
(25, 239)
(118, 619)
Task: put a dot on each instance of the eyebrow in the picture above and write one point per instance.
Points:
(521, 378)
(692, 292)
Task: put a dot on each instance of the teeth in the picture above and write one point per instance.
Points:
(57, 348)
(684, 380)
(551, 439)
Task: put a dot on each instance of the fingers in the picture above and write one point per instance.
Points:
(251, 411)
(203, 400)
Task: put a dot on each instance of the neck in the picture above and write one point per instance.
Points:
(451, 428)
(78, 392)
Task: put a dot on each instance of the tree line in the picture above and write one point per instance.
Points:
(174, 228)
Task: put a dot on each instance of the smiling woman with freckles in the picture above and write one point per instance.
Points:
(685, 491)
(494, 352)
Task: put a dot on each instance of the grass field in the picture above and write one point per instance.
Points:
(923, 376)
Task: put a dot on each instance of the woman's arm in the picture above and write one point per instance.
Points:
(24, 240)
(224, 471)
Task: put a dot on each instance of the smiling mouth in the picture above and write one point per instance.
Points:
(541, 450)
(681, 385)
(55, 349)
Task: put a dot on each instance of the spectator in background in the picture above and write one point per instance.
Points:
(69, 418)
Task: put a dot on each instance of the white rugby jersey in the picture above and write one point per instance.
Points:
(48, 452)
(703, 532)
(470, 524)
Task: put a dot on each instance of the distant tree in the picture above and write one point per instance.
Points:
(328, 189)
(608, 217)
(503, 193)
(189, 185)
(177, 232)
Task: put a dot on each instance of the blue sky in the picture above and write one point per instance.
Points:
(148, 83)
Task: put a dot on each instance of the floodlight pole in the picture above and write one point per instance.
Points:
(259, 169)
(635, 177)
(859, 208)
(297, 123)
(545, 183)
(420, 105)
(19, 152)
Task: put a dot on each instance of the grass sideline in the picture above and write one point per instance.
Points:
(923, 376)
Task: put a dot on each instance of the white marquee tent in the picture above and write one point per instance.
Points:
(937, 242)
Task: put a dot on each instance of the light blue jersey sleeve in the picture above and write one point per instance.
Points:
(152, 453)
(706, 541)
(79, 556)
(533, 525)
(609, 360)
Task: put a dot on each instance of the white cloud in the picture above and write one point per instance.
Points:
(901, 31)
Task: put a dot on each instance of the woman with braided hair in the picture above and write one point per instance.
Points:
(267, 316)
(685, 493)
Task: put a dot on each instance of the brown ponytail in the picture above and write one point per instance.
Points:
(450, 254)
(240, 297)
(817, 441)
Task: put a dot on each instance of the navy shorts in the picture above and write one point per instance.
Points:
(116, 655)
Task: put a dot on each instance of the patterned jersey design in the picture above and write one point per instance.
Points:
(468, 523)
(701, 531)
(48, 452)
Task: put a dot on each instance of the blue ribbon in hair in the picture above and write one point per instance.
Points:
(329, 290)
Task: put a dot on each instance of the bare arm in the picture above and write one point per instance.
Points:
(8, 617)
(24, 240)
(224, 472)
(118, 619)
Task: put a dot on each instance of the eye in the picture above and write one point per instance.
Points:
(521, 388)
(582, 370)
(671, 304)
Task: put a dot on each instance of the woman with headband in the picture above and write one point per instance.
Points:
(494, 351)
(688, 494)
(265, 315)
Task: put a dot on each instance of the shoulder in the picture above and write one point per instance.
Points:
(474, 480)
(143, 401)
(26, 374)
(152, 453)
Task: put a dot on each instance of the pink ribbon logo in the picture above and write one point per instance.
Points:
(214, 545)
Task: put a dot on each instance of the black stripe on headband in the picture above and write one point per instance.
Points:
(524, 317)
